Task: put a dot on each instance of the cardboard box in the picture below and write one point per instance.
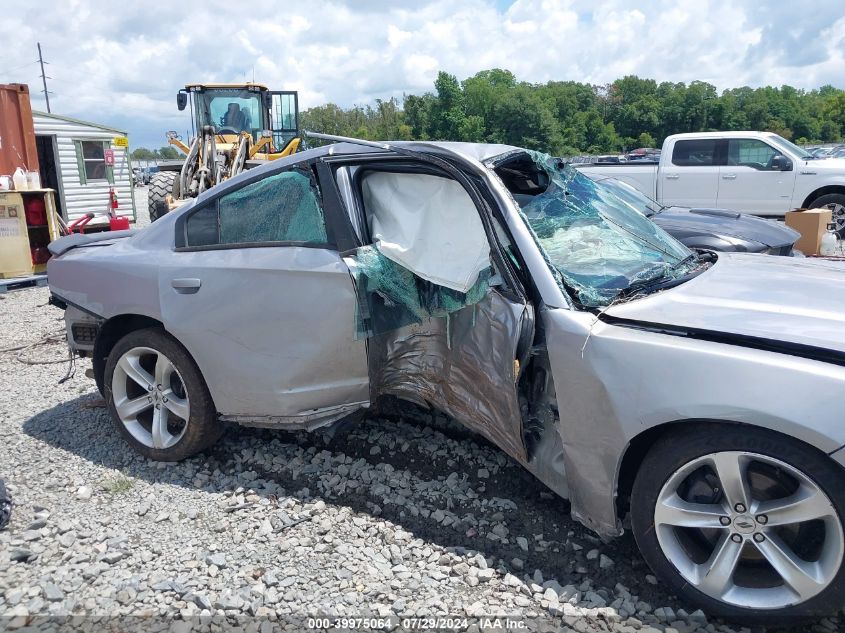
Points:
(811, 224)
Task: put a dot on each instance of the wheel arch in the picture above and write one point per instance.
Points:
(823, 191)
(639, 445)
(114, 329)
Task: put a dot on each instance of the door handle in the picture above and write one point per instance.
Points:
(672, 176)
(186, 285)
(728, 176)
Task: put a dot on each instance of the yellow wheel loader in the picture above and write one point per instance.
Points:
(236, 126)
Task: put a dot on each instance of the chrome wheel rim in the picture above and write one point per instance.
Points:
(838, 212)
(150, 398)
(749, 530)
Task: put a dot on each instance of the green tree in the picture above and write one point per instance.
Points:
(568, 117)
(169, 152)
(142, 153)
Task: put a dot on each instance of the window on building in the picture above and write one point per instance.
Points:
(91, 158)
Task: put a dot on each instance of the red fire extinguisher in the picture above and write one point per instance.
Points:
(112, 203)
(115, 223)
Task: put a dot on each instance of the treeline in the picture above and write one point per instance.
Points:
(166, 152)
(567, 117)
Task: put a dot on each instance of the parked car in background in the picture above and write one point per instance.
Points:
(712, 229)
(140, 176)
(697, 393)
(753, 172)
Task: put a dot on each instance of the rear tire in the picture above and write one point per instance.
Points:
(162, 184)
(836, 203)
(689, 478)
(157, 397)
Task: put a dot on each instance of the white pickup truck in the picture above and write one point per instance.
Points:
(753, 172)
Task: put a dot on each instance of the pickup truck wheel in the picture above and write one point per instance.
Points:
(744, 523)
(157, 397)
(836, 203)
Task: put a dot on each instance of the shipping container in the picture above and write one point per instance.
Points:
(17, 136)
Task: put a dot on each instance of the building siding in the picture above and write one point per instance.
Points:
(78, 198)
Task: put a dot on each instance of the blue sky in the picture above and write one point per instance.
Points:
(121, 64)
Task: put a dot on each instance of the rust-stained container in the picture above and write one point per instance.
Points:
(17, 135)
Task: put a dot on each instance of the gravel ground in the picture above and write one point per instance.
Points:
(407, 515)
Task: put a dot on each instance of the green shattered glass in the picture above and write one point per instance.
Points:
(595, 242)
(391, 296)
(279, 208)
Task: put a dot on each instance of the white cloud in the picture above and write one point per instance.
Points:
(123, 64)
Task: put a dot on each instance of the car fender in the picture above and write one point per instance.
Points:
(614, 383)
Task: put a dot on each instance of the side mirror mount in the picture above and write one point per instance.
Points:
(781, 163)
(268, 100)
(181, 100)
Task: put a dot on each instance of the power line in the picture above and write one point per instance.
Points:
(44, 78)
(11, 70)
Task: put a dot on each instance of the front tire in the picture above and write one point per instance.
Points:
(743, 522)
(157, 397)
(836, 203)
(162, 185)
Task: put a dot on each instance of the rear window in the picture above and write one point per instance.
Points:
(695, 153)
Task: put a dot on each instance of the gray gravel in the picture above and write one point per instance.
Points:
(406, 515)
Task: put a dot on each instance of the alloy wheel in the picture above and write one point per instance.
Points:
(749, 530)
(837, 210)
(150, 397)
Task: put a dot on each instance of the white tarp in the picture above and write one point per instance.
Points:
(429, 225)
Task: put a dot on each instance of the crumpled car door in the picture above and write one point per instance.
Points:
(459, 352)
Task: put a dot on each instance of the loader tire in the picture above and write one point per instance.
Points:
(162, 184)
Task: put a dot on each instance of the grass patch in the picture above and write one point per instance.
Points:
(119, 485)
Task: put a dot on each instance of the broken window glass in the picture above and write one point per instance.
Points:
(430, 256)
(390, 296)
(596, 243)
(279, 208)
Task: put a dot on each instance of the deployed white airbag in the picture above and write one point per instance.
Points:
(427, 224)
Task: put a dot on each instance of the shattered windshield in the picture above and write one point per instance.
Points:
(599, 245)
(629, 194)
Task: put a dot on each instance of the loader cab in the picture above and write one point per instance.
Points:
(250, 108)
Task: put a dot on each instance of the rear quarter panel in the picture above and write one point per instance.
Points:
(119, 278)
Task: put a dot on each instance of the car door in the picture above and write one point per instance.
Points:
(258, 293)
(691, 176)
(752, 181)
(423, 225)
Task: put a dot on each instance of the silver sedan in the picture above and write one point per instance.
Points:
(699, 393)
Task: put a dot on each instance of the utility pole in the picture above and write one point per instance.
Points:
(43, 78)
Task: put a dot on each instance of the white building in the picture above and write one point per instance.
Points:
(73, 158)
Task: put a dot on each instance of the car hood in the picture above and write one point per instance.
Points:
(824, 164)
(777, 298)
(726, 223)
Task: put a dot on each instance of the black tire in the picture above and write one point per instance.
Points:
(832, 199)
(203, 428)
(162, 184)
(674, 450)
